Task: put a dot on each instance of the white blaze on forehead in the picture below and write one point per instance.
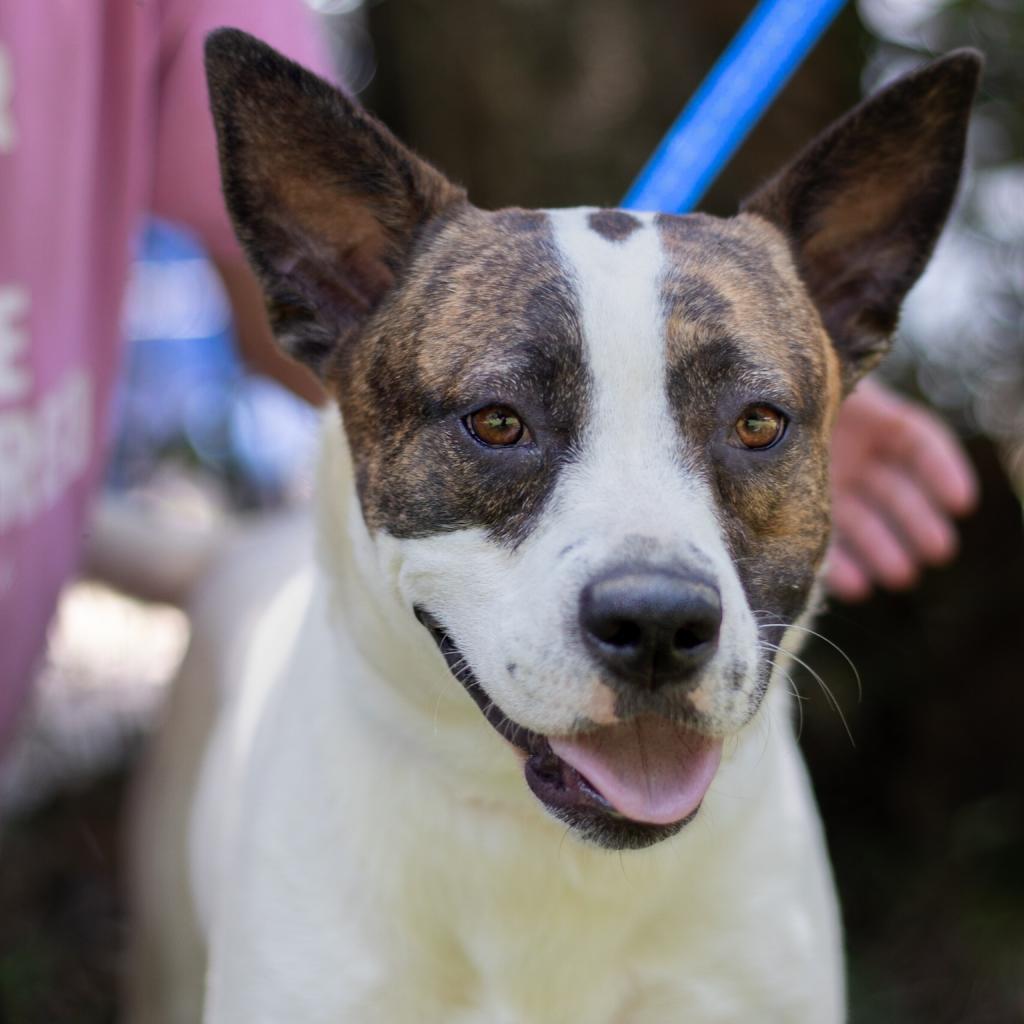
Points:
(634, 459)
(617, 286)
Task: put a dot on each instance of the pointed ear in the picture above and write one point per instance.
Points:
(325, 201)
(864, 203)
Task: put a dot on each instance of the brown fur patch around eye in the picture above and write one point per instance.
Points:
(613, 225)
(484, 315)
(740, 328)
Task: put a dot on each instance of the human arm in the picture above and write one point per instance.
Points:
(255, 340)
(187, 178)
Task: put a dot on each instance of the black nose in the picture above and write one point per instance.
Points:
(651, 627)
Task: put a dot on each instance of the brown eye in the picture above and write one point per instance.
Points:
(497, 426)
(760, 426)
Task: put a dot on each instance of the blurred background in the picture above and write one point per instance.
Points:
(560, 102)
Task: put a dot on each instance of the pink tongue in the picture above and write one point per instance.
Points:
(648, 769)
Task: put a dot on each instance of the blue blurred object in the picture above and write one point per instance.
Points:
(744, 81)
(183, 389)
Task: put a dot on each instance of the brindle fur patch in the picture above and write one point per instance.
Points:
(484, 315)
(741, 330)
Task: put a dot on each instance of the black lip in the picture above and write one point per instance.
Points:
(527, 741)
(566, 793)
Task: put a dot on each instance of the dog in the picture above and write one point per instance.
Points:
(515, 745)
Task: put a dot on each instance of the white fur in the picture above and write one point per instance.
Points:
(364, 846)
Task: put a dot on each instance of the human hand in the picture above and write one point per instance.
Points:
(899, 476)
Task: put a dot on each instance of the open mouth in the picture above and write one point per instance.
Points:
(627, 785)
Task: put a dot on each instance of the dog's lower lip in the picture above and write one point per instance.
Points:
(525, 740)
(551, 779)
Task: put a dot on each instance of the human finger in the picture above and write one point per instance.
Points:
(899, 497)
(876, 546)
(844, 578)
(934, 455)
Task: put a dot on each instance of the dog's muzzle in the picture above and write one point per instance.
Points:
(627, 785)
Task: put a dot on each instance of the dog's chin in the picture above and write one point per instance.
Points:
(563, 790)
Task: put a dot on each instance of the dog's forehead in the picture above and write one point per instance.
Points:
(507, 286)
(493, 295)
(613, 334)
(737, 312)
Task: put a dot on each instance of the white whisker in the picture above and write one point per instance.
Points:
(831, 697)
(831, 643)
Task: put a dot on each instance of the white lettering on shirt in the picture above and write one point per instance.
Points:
(44, 449)
(8, 132)
(15, 380)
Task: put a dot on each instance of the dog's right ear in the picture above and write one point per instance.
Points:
(325, 201)
(864, 203)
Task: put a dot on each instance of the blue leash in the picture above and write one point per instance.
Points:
(747, 77)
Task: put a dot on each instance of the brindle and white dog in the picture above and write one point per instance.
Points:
(580, 501)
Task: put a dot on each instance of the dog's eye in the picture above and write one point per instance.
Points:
(760, 426)
(497, 426)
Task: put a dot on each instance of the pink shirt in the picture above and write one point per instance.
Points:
(103, 116)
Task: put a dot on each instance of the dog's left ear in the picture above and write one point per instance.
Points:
(865, 202)
(326, 202)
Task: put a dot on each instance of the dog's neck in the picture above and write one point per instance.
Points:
(362, 590)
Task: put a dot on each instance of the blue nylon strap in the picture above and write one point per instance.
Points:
(766, 51)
